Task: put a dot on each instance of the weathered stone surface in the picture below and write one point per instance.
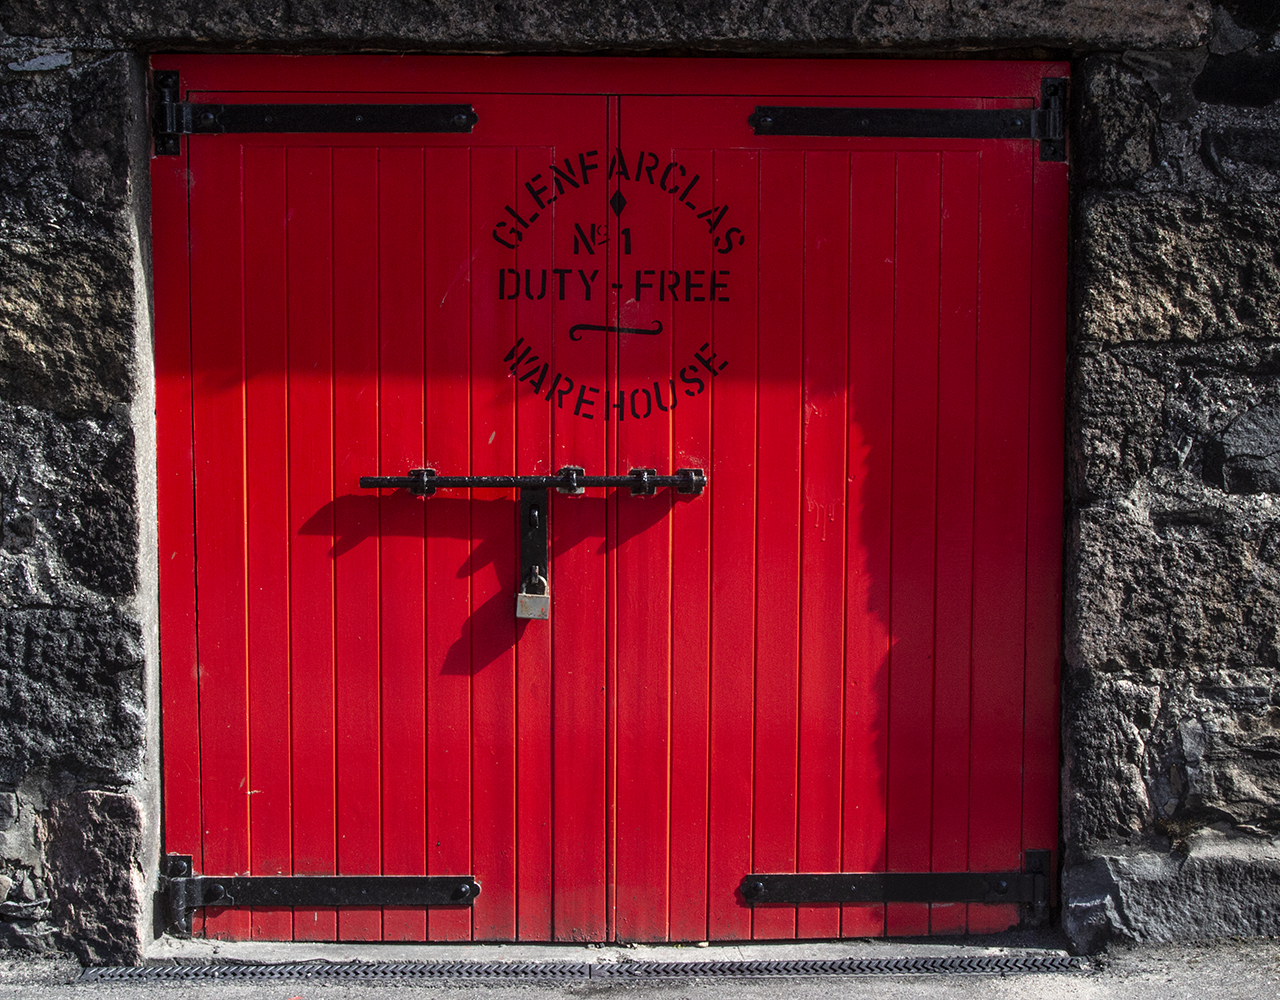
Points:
(66, 323)
(95, 843)
(1163, 267)
(1208, 410)
(629, 23)
(70, 680)
(64, 154)
(1115, 132)
(1214, 885)
(1172, 697)
(68, 503)
(70, 647)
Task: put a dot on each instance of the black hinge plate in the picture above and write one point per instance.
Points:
(1030, 886)
(185, 892)
(1046, 123)
(173, 118)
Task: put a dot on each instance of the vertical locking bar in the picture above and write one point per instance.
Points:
(533, 597)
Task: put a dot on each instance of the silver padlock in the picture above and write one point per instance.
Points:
(534, 605)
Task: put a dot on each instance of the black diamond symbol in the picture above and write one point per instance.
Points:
(618, 202)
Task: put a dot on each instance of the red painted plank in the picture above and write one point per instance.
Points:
(267, 508)
(695, 324)
(311, 518)
(356, 591)
(822, 541)
(731, 498)
(493, 578)
(1000, 521)
(217, 358)
(915, 388)
(1044, 506)
(644, 539)
(448, 544)
(180, 719)
(534, 320)
(576, 773)
(402, 236)
(870, 373)
(777, 529)
(957, 359)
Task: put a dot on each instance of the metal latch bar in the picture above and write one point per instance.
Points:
(173, 118)
(570, 480)
(533, 599)
(185, 892)
(1046, 123)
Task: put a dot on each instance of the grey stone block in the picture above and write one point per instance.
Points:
(95, 838)
(1114, 134)
(1214, 885)
(66, 323)
(1166, 267)
(1208, 411)
(633, 24)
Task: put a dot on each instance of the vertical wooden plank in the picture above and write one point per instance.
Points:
(870, 463)
(778, 518)
(493, 579)
(533, 320)
(957, 357)
(915, 427)
(1044, 506)
(266, 469)
(447, 173)
(357, 664)
(217, 353)
(643, 566)
(611, 579)
(695, 327)
(1000, 520)
(731, 497)
(822, 542)
(401, 521)
(309, 178)
(579, 591)
(175, 498)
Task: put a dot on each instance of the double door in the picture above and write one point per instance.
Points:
(840, 656)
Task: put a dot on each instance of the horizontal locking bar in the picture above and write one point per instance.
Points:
(569, 480)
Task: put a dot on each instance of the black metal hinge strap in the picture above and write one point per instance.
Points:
(186, 893)
(1046, 123)
(1030, 887)
(173, 117)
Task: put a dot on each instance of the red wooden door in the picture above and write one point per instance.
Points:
(841, 657)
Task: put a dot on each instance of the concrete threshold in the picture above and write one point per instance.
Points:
(266, 952)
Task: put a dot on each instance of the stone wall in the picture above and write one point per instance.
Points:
(1172, 640)
(73, 621)
(1171, 700)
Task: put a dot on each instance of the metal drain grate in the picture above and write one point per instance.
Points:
(973, 965)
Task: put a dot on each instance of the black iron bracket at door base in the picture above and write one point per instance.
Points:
(173, 118)
(533, 597)
(1046, 124)
(1029, 887)
(184, 892)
